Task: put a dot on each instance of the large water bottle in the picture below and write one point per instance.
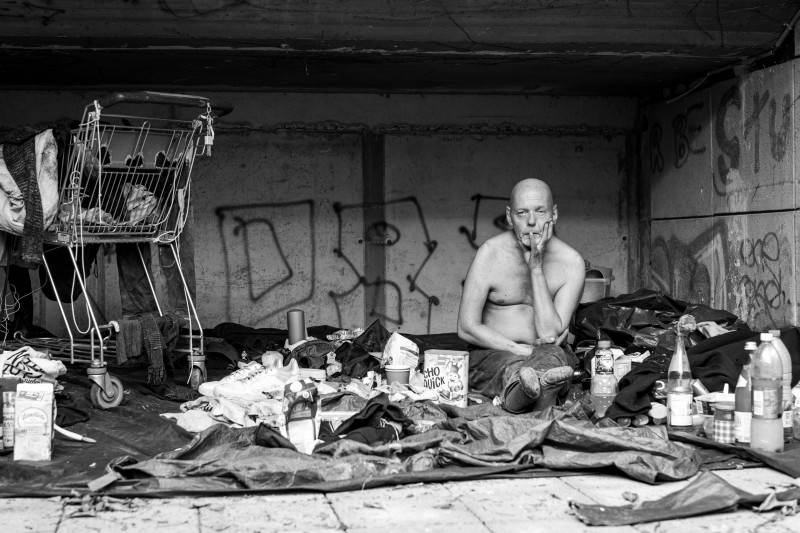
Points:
(766, 427)
(786, 382)
(743, 405)
(604, 383)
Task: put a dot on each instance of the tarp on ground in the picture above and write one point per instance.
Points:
(707, 494)
(155, 457)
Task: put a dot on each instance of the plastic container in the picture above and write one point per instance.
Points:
(743, 402)
(604, 383)
(786, 382)
(766, 427)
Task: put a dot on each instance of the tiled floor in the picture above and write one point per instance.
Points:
(498, 506)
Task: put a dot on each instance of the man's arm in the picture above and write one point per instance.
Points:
(552, 314)
(470, 313)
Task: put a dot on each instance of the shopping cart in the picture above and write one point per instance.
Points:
(127, 179)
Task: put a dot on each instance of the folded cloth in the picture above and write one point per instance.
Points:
(129, 340)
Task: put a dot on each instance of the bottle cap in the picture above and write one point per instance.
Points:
(775, 333)
(604, 344)
(766, 337)
(750, 345)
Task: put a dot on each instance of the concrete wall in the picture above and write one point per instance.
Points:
(720, 164)
(359, 206)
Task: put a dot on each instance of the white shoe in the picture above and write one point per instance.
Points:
(266, 383)
(207, 388)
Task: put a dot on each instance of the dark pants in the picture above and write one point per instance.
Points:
(495, 373)
(135, 293)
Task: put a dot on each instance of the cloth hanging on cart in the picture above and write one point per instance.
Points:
(29, 181)
(156, 335)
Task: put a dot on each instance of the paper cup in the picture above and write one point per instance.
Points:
(397, 374)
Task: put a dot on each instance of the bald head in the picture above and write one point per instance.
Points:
(528, 187)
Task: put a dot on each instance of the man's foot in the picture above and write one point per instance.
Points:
(536, 390)
(529, 381)
(554, 383)
(556, 376)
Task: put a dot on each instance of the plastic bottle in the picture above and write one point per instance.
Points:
(786, 382)
(766, 371)
(796, 412)
(604, 383)
(679, 387)
(743, 410)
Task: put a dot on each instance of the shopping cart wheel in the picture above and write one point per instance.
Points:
(107, 399)
(196, 378)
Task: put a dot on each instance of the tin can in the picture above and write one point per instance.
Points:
(723, 423)
(447, 373)
(698, 388)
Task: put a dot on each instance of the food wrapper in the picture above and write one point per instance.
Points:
(400, 351)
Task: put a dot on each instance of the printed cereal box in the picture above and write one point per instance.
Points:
(447, 373)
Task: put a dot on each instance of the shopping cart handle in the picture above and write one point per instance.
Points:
(150, 97)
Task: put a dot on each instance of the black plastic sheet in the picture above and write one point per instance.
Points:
(706, 494)
(642, 319)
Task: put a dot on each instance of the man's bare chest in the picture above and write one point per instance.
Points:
(513, 284)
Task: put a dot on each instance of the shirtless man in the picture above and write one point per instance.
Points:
(520, 293)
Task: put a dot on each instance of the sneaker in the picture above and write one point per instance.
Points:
(266, 383)
(207, 388)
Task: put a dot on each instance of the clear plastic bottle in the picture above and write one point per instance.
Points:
(766, 371)
(604, 383)
(786, 382)
(796, 412)
(679, 386)
(743, 410)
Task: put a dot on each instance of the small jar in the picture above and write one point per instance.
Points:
(723, 422)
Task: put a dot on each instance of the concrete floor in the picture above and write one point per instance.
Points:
(498, 506)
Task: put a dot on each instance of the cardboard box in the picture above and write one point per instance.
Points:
(33, 422)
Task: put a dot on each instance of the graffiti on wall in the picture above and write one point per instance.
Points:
(271, 269)
(258, 256)
(684, 138)
(499, 221)
(686, 270)
(732, 266)
(382, 233)
(733, 134)
(730, 159)
(744, 275)
(759, 294)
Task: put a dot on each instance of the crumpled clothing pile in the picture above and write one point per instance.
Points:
(206, 411)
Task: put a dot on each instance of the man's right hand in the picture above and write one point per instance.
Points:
(538, 245)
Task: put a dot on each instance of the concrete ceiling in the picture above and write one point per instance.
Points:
(604, 47)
